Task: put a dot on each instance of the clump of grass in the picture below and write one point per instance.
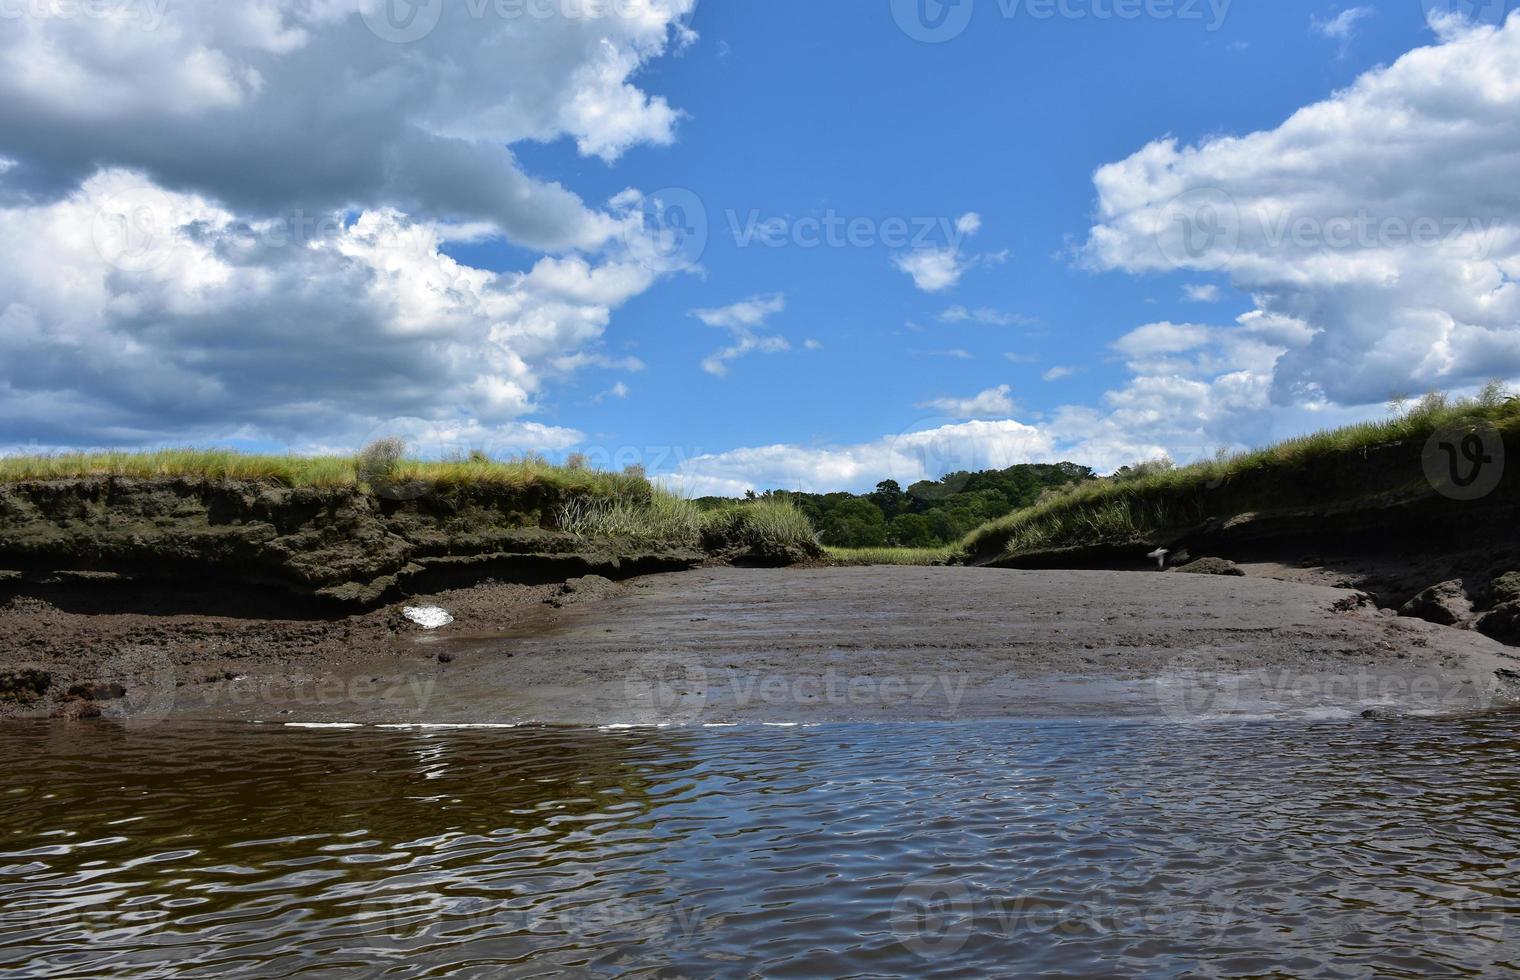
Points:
(766, 527)
(379, 460)
(769, 527)
(1324, 467)
(889, 556)
(661, 517)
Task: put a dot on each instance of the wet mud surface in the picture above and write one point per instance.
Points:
(729, 645)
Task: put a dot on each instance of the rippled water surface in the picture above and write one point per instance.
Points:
(1334, 849)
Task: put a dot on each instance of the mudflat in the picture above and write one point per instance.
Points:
(792, 646)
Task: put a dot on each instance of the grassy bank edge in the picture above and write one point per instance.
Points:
(1157, 497)
(322, 472)
(593, 504)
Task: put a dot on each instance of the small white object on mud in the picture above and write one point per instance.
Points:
(428, 617)
(1160, 555)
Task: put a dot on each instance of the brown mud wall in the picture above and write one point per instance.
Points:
(338, 547)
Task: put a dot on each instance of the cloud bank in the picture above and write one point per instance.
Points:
(231, 222)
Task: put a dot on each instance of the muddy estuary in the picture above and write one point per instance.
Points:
(829, 773)
(896, 850)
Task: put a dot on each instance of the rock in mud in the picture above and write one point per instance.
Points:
(1445, 604)
(584, 589)
(94, 691)
(24, 685)
(1213, 566)
(1503, 623)
(1505, 588)
(589, 584)
(1357, 601)
(76, 711)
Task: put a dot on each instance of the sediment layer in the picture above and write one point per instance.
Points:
(345, 546)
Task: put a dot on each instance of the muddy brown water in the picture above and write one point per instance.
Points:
(1106, 848)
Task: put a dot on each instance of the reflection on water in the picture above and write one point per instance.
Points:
(1333, 849)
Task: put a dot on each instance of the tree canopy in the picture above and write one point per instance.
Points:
(931, 513)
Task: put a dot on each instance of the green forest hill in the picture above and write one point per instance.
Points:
(929, 514)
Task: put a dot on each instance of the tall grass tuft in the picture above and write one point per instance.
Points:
(662, 517)
(379, 460)
(766, 526)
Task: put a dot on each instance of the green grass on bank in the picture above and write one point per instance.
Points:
(384, 467)
(766, 525)
(1326, 467)
(762, 524)
(210, 464)
(889, 556)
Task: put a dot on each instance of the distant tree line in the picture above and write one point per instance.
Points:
(928, 514)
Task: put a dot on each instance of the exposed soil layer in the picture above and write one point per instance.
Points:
(331, 546)
(733, 645)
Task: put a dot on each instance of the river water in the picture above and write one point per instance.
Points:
(1118, 848)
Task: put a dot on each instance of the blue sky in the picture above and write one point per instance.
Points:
(799, 109)
(539, 153)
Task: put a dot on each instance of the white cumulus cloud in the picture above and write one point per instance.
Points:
(199, 325)
(228, 220)
(985, 315)
(743, 320)
(1384, 220)
(994, 402)
(1341, 27)
(936, 269)
(268, 105)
